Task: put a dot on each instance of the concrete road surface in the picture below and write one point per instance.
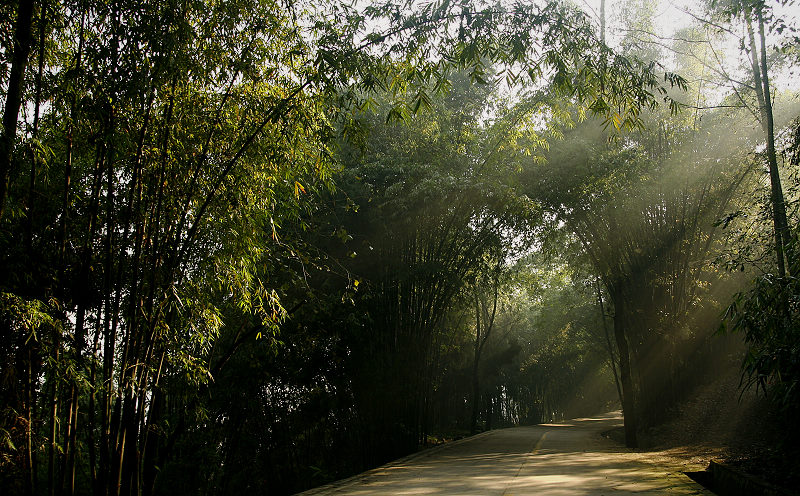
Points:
(569, 458)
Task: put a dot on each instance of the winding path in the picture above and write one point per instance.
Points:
(569, 458)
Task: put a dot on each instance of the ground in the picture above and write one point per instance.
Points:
(723, 423)
(566, 458)
(587, 456)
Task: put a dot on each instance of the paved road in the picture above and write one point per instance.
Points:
(569, 458)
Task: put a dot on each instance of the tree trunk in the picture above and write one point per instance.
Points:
(476, 397)
(778, 203)
(16, 79)
(628, 395)
(476, 386)
(53, 445)
(484, 322)
(611, 358)
(35, 133)
(758, 61)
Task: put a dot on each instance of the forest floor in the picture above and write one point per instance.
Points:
(722, 424)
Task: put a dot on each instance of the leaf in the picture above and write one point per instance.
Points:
(298, 188)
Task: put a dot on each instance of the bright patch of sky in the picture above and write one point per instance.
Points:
(671, 16)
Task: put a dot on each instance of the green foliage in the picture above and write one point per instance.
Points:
(432, 213)
(765, 316)
(562, 370)
(199, 273)
(764, 312)
(642, 212)
(26, 318)
(534, 45)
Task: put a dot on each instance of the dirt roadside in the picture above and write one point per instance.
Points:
(721, 423)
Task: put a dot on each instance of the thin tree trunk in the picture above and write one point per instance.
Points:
(35, 133)
(69, 442)
(70, 468)
(92, 421)
(68, 164)
(52, 462)
(778, 203)
(482, 335)
(23, 37)
(611, 359)
(603, 21)
(30, 476)
(117, 428)
(628, 395)
(476, 390)
(109, 324)
(758, 61)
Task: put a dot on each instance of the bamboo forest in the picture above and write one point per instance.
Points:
(261, 246)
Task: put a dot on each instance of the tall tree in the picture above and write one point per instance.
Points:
(22, 40)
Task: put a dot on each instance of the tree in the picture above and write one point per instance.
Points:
(646, 224)
(765, 313)
(22, 40)
(485, 313)
(431, 209)
(173, 137)
(754, 15)
(177, 154)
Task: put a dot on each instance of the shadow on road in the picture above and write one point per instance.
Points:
(568, 458)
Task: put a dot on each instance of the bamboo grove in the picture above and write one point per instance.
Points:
(260, 245)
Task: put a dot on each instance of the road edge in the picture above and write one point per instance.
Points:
(352, 480)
